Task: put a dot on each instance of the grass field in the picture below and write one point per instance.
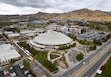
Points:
(41, 56)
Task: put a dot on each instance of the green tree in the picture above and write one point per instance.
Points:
(79, 56)
(97, 42)
(109, 36)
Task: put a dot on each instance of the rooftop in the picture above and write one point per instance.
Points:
(52, 38)
(7, 52)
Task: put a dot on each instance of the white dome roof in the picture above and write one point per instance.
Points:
(52, 38)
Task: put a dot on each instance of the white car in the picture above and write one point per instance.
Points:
(5, 72)
(26, 72)
(29, 75)
(22, 66)
(83, 62)
(13, 74)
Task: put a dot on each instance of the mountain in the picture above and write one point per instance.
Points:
(87, 14)
(39, 15)
(109, 12)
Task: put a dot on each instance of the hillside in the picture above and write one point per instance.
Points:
(91, 15)
(39, 15)
(87, 14)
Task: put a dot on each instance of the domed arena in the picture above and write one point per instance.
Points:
(50, 39)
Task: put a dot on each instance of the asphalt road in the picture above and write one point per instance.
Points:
(69, 72)
(46, 72)
(93, 69)
(35, 64)
(35, 68)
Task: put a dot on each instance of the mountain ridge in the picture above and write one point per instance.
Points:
(87, 14)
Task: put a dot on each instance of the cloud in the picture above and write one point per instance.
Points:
(27, 3)
(51, 6)
(10, 9)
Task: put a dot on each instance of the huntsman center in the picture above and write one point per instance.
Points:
(50, 39)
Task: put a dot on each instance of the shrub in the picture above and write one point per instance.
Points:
(93, 47)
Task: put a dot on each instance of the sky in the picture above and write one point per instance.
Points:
(9, 7)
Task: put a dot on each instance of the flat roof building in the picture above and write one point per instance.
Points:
(12, 35)
(7, 52)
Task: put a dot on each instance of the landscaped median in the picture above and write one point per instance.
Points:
(40, 56)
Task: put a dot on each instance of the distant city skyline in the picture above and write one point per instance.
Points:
(10, 7)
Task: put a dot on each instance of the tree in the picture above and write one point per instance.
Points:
(109, 36)
(74, 44)
(79, 56)
(97, 42)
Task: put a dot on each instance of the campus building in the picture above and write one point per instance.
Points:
(50, 39)
(7, 52)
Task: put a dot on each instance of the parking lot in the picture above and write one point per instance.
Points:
(90, 36)
(16, 71)
(72, 55)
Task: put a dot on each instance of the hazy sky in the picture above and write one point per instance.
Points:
(51, 6)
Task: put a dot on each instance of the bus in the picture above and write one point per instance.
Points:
(30, 58)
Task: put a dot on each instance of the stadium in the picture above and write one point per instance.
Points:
(50, 39)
